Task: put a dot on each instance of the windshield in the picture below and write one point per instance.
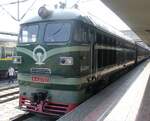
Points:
(28, 34)
(57, 32)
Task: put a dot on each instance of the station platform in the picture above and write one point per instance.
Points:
(127, 99)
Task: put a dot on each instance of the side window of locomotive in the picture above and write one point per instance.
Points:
(114, 42)
(1, 52)
(80, 34)
(77, 35)
(84, 34)
(109, 41)
(28, 34)
(98, 38)
(99, 51)
(105, 41)
(91, 35)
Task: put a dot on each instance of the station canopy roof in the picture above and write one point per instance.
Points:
(135, 13)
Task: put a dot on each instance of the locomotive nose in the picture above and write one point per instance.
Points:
(37, 97)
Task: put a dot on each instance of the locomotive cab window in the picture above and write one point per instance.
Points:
(57, 32)
(28, 34)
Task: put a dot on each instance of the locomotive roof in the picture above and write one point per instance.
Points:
(69, 14)
(62, 14)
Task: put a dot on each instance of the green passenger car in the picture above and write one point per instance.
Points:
(6, 60)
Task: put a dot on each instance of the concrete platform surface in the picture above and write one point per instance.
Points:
(118, 102)
(128, 107)
(144, 111)
(9, 110)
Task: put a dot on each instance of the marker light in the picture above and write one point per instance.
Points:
(44, 12)
(66, 61)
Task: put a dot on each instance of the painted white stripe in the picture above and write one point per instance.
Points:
(67, 49)
(111, 48)
(55, 51)
(25, 51)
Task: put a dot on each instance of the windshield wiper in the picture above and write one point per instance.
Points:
(58, 30)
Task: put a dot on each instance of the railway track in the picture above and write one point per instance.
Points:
(32, 117)
(9, 93)
(22, 117)
(8, 87)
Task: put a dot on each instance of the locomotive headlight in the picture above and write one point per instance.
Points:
(44, 12)
(66, 61)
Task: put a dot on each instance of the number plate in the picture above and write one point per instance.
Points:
(40, 79)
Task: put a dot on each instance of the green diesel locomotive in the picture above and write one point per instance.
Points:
(62, 56)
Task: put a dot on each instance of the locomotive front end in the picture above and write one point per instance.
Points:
(49, 67)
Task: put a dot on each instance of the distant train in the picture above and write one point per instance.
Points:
(6, 60)
(62, 56)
